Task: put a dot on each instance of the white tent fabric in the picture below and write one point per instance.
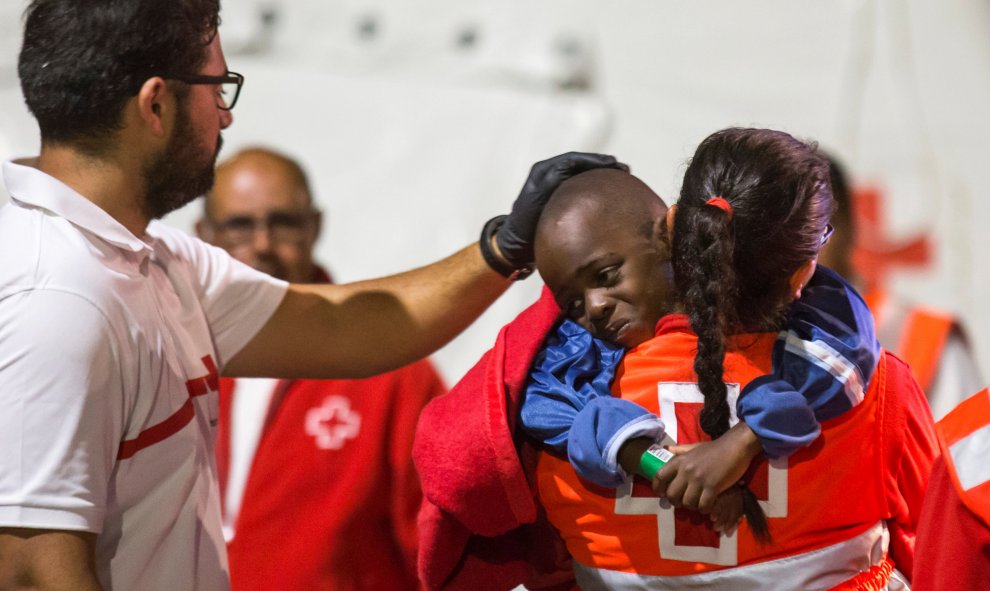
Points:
(418, 121)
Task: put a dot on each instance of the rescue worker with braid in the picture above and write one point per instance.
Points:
(842, 512)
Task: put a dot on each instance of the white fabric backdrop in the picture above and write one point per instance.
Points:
(419, 121)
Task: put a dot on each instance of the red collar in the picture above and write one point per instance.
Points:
(673, 323)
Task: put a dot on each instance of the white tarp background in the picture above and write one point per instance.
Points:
(418, 121)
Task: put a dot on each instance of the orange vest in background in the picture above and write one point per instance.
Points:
(916, 335)
(824, 497)
(964, 435)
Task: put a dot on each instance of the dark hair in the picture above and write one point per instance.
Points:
(841, 193)
(81, 60)
(732, 271)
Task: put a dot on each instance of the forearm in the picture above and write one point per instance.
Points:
(742, 437)
(571, 371)
(368, 327)
(821, 367)
(631, 451)
(47, 560)
(831, 350)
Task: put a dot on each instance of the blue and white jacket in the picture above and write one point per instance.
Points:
(822, 363)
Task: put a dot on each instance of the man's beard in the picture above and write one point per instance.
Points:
(180, 173)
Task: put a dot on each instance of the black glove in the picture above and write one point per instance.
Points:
(514, 233)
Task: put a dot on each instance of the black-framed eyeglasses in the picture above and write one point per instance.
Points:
(829, 229)
(281, 226)
(230, 87)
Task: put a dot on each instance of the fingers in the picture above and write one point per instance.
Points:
(666, 474)
(676, 485)
(584, 160)
(707, 501)
(681, 448)
(692, 497)
(572, 163)
(727, 512)
(730, 522)
(675, 492)
(726, 522)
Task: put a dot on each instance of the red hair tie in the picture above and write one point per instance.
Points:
(721, 204)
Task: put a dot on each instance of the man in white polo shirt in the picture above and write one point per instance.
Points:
(114, 328)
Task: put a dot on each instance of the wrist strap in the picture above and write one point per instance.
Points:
(654, 458)
(496, 262)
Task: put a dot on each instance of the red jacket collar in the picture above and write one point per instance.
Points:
(673, 323)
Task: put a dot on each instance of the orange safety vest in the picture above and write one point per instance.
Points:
(820, 501)
(916, 335)
(964, 436)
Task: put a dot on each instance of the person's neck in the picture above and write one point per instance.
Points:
(111, 183)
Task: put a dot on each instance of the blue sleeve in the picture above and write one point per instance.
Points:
(822, 364)
(568, 404)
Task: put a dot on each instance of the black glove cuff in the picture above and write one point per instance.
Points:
(497, 263)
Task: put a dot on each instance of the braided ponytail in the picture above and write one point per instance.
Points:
(753, 207)
(706, 276)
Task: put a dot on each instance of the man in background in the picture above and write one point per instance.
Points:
(931, 341)
(318, 485)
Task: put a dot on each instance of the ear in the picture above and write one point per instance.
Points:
(802, 276)
(151, 103)
(203, 231)
(671, 213)
(659, 235)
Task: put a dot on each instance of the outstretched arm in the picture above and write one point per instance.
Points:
(365, 328)
(47, 560)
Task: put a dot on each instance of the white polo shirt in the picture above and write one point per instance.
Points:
(110, 347)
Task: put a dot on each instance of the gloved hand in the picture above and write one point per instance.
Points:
(516, 232)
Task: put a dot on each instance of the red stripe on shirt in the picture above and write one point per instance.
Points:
(159, 432)
(170, 426)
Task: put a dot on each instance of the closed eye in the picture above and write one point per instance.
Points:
(609, 276)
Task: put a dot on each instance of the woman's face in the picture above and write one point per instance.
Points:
(611, 277)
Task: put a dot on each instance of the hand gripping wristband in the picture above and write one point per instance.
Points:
(499, 264)
(654, 458)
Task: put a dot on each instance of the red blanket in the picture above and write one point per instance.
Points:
(480, 525)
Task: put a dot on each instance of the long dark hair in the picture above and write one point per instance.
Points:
(732, 269)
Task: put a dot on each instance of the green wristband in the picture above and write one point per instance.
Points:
(654, 458)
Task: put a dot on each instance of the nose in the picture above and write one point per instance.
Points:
(261, 238)
(226, 118)
(598, 306)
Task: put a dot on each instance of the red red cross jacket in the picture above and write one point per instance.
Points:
(953, 545)
(332, 495)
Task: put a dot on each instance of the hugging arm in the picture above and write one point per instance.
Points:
(822, 364)
(569, 407)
